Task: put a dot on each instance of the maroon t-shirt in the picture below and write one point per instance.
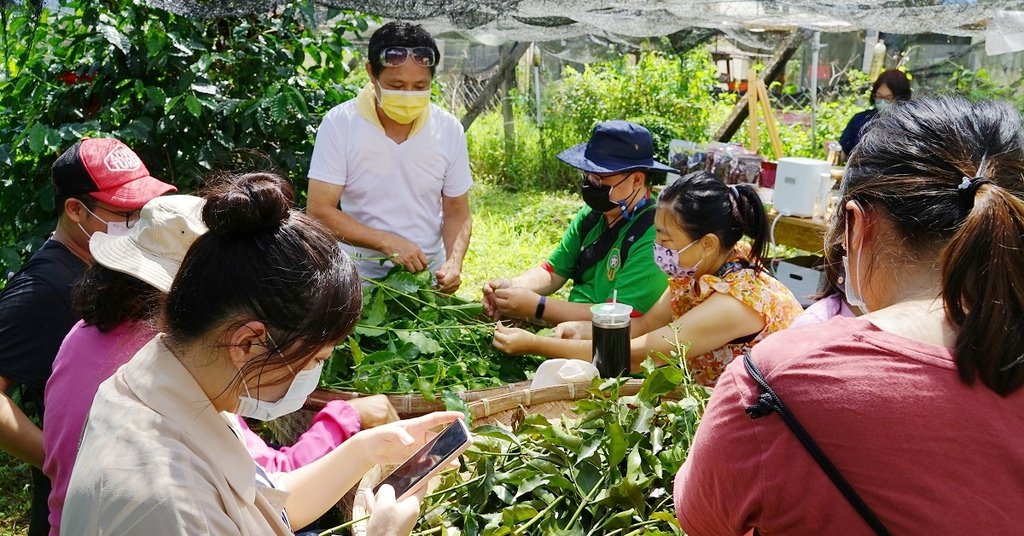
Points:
(928, 453)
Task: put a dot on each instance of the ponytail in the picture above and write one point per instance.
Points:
(983, 289)
(704, 205)
(752, 220)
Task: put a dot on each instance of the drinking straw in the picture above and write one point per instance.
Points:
(615, 296)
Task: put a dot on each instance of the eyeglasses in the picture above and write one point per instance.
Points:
(130, 217)
(397, 56)
(598, 180)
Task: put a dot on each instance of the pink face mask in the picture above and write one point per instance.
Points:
(668, 261)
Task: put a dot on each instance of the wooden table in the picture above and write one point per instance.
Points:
(800, 233)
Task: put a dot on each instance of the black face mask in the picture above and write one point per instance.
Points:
(596, 197)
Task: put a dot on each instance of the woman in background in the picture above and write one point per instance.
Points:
(890, 87)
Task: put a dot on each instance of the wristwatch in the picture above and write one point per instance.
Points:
(539, 315)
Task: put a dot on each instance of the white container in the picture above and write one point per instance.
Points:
(804, 276)
(797, 183)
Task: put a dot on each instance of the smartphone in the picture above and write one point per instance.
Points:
(430, 460)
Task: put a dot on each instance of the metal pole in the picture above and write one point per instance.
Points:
(815, 49)
(536, 82)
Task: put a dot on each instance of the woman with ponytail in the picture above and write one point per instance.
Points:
(720, 301)
(917, 405)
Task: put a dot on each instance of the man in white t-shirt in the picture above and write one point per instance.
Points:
(390, 171)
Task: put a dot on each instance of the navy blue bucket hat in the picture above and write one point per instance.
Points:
(615, 146)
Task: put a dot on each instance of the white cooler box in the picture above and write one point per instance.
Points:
(804, 276)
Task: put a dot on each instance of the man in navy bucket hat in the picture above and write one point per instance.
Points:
(608, 248)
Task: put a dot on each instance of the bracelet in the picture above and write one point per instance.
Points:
(539, 315)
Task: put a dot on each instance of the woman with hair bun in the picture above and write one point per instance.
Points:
(255, 309)
(918, 405)
(720, 301)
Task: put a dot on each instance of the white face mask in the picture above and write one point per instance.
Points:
(853, 296)
(114, 228)
(883, 105)
(303, 384)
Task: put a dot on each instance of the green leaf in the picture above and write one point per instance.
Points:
(661, 381)
(369, 331)
(452, 402)
(518, 513)
(375, 313)
(616, 443)
(425, 344)
(642, 424)
(193, 106)
(357, 352)
(633, 463)
(36, 138)
(114, 37)
(425, 388)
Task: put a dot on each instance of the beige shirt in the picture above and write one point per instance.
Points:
(157, 458)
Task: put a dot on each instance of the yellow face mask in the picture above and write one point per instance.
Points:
(403, 106)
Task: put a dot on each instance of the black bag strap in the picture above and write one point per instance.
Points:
(595, 252)
(769, 402)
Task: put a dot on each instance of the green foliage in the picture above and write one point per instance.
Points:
(671, 96)
(413, 339)
(189, 95)
(978, 85)
(607, 470)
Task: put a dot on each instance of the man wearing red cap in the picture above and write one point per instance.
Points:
(98, 185)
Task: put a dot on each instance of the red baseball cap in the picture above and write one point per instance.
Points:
(107, 170)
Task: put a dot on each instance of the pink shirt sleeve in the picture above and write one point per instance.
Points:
(331, 426)
(718, 490)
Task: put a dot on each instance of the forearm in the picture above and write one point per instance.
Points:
(314, 488)
(347, 229)
(538, 280)
(554, 347)
(558, 311)
(456, 233)
(19, 436)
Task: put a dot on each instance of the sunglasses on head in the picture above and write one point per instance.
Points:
(397, 56)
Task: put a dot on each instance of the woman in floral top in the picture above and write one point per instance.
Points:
(720, 300)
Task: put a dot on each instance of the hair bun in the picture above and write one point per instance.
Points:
(248, 203)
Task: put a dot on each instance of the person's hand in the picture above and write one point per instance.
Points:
(512, 341)
(393, 443)
(390, 517)
(449, 277)
(404, 252)
(574, 329)
(489, 300)
(374, 410)
(516, 301)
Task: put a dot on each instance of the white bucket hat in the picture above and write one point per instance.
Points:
(153, 250)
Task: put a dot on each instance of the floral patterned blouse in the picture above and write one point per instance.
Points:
(737, 278)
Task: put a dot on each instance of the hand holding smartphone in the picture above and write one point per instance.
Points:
(427, 462)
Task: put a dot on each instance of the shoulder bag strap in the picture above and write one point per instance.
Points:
(769, 402)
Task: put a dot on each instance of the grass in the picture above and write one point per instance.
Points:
(511, 232)
(15, 495)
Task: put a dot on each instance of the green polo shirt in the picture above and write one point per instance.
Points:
(639, 283)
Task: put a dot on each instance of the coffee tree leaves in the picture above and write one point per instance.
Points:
(442, 344)
(187, 94)
(560, 476)
(616, 443)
